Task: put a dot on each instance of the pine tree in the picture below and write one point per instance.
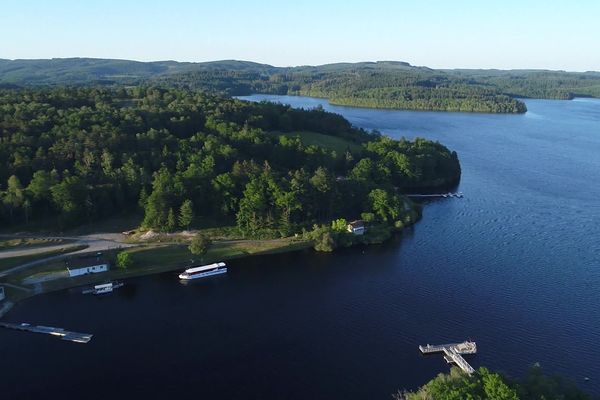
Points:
(171, 223)
(186, 214)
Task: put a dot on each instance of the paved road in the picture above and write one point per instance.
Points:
(95, 243)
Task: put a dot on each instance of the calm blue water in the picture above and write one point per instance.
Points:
(515, 265)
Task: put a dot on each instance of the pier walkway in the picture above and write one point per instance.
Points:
(453, 353)
(63, 334)
(458, 195)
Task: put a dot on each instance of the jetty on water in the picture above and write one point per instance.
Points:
(453, 353)
(458, 195)
(63, 334)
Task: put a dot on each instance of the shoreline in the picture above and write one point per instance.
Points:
(341, 104)
(287, 245)
(152, 259)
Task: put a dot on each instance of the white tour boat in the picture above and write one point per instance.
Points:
(203, 271)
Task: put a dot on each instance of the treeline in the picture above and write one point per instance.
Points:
(78, 155)
(382, 84)
(539, 84)
(487, 385)
(402, 89)
(411, 91)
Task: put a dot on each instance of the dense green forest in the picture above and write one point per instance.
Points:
(384, 84)
(77, 155)
(537, 84)
(376, 85)
(487, 385)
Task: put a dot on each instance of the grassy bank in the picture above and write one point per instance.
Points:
(169, 252)
(7, 263)
(147, 260)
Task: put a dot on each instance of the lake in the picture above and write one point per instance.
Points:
(514, 265)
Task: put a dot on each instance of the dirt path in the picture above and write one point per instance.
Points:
(95, 243)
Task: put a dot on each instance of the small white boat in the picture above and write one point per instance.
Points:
(203, 271)
(104, 288)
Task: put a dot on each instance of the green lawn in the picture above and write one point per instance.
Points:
(7, 263)
(326, 141)
(16, 243)
(159, 258)
(178, 256)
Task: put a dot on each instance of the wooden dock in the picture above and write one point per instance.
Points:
(458, 195)
(63, 334)
(453, 353)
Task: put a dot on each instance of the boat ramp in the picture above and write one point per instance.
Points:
(453, 353)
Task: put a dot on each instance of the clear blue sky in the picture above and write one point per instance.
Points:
(453, 33)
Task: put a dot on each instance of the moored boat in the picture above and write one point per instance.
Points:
(103, 288)
(203, 271)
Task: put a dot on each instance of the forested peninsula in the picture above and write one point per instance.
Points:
(79, 155)
(382, 84)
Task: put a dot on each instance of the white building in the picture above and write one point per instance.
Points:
(357, 227)
(2, 293)
(84, 266)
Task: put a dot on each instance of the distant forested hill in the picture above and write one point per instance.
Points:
(537, 84)
(383, 84)
(79, 71)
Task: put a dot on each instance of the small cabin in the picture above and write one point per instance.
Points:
(87, 265)
(357, 227)
(2, 293)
